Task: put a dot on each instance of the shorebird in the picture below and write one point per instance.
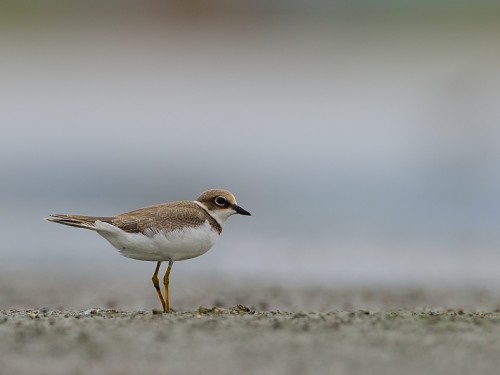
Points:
(165, 232)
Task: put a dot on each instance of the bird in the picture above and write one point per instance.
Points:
(167, 232)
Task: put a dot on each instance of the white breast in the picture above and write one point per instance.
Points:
(161, 246)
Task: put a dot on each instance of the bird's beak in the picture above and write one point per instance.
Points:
(241, 211)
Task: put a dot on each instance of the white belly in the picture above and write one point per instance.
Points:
(160, 246)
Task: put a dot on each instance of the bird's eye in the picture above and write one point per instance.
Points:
(220, 201)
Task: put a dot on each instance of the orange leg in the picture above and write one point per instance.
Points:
(166, 280)
(156, 283)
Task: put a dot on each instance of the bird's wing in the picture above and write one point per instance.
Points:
(167, 216)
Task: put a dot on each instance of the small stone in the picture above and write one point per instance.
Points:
(243, 308)
(299, 314)
(90, 312)
(218, 310)
(204, 310)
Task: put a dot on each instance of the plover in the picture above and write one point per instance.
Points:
(165, 232)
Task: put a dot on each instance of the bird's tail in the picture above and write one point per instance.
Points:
(79, 221)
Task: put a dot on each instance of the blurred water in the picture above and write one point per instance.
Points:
(365, 148)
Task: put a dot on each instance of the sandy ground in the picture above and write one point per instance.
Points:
(255, 329)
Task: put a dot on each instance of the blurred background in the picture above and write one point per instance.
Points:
(362, 136)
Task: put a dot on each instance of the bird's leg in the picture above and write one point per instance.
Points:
(166, 280)
(156, 283)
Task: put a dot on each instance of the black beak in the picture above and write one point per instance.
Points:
(241, 211)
